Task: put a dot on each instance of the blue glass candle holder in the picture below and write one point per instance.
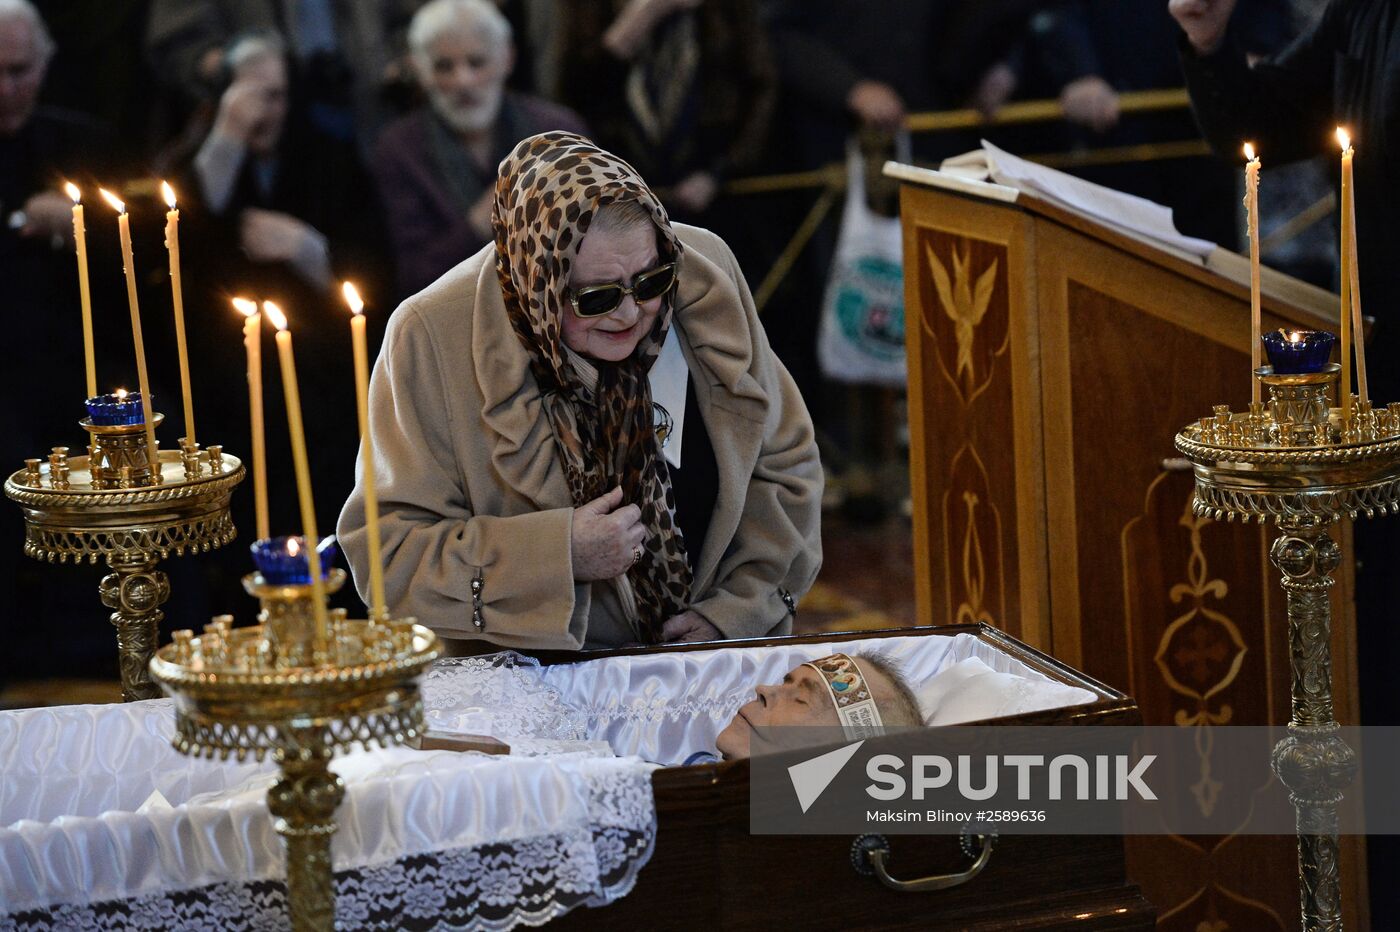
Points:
(282, 560)
(116, 410)
(1292, 352)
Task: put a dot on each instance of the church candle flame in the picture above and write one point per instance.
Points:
(378, 611)
(303, 470)
(1251, 202)
(1352, 332)
(84, 291)
(124, 231)
(252, 345)
(177, 293)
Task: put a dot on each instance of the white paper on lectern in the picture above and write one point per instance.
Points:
(1135, 216)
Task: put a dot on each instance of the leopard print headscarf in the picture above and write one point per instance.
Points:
(547, 192)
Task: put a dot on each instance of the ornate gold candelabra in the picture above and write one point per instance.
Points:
(112, 504)
(1303, 465)
(281, 687)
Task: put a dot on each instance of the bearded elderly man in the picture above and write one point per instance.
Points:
(436, 167)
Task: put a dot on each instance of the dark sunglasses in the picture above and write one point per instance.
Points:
(597, 300)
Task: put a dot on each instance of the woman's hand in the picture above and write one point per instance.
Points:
(688, 626)
(606, 538)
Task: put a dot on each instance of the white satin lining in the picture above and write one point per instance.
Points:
(664, 707)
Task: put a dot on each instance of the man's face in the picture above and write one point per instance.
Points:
(464, 75)
(269, 74)
(800, 699)
(22, 70)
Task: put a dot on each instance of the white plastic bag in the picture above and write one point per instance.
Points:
(861, 336)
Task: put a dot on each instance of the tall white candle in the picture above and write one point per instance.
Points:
(1351, 268)
(177, 294)
(84, 290)
(378, 610)
(252, 346)
(1348, 205)
(124, 231)
(1251, 201)
(303, 471)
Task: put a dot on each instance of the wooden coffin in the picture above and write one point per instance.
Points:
(708, 872)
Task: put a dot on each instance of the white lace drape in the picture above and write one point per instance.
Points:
(425, 839)
(490, 887)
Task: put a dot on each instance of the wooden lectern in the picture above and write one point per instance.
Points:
(1052, 359)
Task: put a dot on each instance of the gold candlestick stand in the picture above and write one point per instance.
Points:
(111, 504)
(276, 687)
(1303, 465)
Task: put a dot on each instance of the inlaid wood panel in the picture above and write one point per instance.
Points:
(978, 525)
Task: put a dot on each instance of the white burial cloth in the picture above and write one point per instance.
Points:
(76, 826)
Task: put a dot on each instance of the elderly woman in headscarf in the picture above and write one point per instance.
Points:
(581, 436)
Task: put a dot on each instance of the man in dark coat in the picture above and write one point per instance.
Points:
(1090, 51)
(1340, 72)
(273, 208)
(344, 53)
(57, 624)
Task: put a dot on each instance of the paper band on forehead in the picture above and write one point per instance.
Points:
(849, 692)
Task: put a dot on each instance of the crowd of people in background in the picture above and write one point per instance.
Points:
(311, 141)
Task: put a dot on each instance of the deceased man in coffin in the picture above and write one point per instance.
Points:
(594, 801)
(705, 706)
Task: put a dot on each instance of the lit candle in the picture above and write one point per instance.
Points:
(1348, 205)
(80, 238)
(303, 470)
(357, 339)
(1351, 267)
(124, 230)
(172, 246)
(1251, 203)
(252, 344)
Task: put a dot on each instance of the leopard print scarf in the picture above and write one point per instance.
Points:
(547, 192)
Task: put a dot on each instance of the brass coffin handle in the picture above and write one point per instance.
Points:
(871, 853)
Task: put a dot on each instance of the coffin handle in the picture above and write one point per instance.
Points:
(871, 853)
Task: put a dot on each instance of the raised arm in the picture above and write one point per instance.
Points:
(1283, 104)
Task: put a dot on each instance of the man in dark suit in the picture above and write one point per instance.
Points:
(40, 148)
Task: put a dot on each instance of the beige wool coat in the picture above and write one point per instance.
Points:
(471, 487)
